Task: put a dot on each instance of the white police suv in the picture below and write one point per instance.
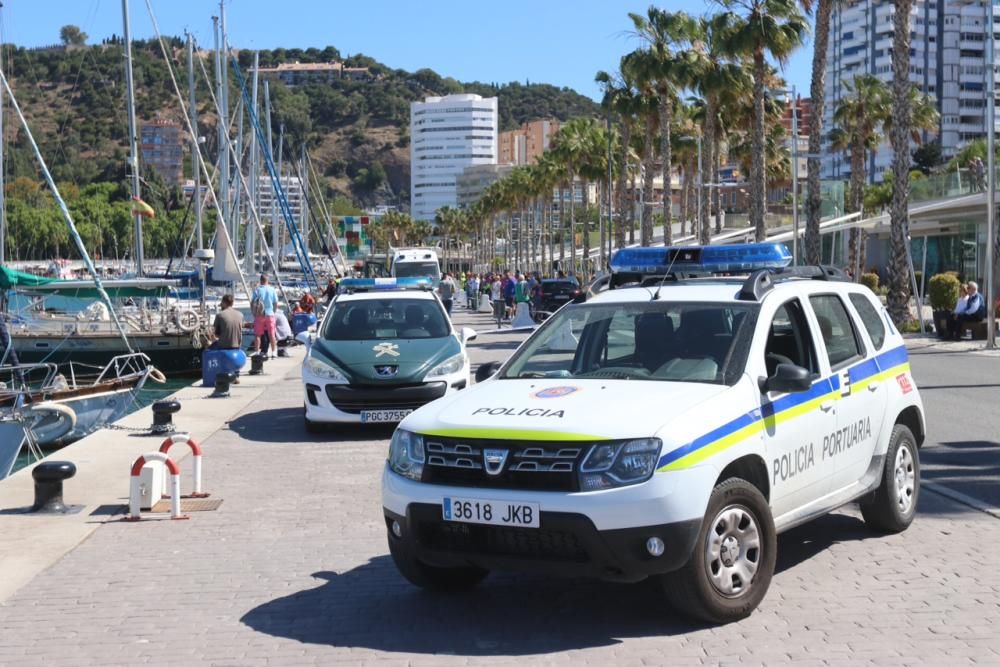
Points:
(384, 348)
(668, 429)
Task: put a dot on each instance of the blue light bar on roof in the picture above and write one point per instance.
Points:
(385, 284)
(707, 259)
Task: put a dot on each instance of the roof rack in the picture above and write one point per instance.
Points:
(763, 281)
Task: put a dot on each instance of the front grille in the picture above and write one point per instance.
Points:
(354, 399)
(543, 466)
(535, 543)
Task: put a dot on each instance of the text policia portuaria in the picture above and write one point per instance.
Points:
(802, 458)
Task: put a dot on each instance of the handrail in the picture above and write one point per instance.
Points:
(126, 362)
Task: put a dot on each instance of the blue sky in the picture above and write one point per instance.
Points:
(562, 42)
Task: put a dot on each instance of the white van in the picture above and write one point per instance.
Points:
(416, 263)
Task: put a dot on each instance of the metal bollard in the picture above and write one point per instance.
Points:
(49, 476)
(222, 382)
(257, 364)
(163, 416)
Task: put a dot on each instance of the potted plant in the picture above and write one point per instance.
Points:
(943, 292)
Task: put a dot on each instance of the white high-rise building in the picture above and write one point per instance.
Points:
(447, 134)
(947, 62)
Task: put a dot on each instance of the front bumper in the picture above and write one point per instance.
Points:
(338, 403)
(565, 544)
(598, 534)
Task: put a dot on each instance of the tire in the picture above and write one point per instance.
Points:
(894, 504)
(694, 590)
(443, 579)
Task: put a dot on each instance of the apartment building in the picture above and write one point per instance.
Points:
(448, 134)
(947, 62)
(527, 143)
(161, 143)
(297, 74)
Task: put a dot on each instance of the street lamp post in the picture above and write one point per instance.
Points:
(991, 170)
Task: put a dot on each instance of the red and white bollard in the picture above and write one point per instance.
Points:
(135, 492)
(184, 438)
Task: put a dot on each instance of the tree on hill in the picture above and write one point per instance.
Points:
(71, 35)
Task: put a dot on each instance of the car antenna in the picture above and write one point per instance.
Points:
(656, 294)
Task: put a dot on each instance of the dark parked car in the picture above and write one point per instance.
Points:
(556, 292)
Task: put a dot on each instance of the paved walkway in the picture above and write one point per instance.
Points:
(293, 569)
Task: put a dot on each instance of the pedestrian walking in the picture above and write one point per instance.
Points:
(446, 290)
(263, 303)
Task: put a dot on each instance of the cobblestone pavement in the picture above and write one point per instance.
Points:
(293, 569)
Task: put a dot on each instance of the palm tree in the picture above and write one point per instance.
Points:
(712, 73)
(817, 93)
(664, 64)
(620, 99)
(899, 220)
(859, 117)
(775, 28)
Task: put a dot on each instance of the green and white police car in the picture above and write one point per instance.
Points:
(384, 348)
(668, 429)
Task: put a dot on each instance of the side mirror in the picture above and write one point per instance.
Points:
(486, 371)
(579, 297)
(305, 338)
(787, 378)
(468, 334)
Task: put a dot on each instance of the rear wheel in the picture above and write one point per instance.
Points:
(731, 566)
(445, 579)
(894, 504)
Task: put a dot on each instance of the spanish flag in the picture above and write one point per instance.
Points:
(140, 207)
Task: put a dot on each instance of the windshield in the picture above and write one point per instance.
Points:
(381, 319)
(678, 342)
(416, 270)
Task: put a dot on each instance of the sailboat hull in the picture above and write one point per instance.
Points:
(11, 441)
(172, 354)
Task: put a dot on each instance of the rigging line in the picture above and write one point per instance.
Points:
(331, 230)
(193, 135)
(65, 211)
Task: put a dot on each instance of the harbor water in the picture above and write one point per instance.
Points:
(150, 393)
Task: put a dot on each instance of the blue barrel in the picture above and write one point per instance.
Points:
(214, 362)
(301, 322)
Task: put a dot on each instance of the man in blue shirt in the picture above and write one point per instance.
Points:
(974, 310)
(263, 304)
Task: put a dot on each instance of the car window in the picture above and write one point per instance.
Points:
(382, 319)
(838, 332)
(789, 340)
(870, 318)
(680, 342)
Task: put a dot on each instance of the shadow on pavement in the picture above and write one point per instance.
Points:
(802, 543)
(969, 466)
(287, 425)
(373, 607)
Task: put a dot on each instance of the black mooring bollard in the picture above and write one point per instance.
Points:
(163, 416)
(49, 476)
(257, 364)
(222, 382)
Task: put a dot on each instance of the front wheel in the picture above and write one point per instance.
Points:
(894, 504)
(445, 579)
(731, 566)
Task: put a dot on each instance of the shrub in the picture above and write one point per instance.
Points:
(943, 291)
(870, 280)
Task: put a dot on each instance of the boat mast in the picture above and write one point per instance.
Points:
(133, 160)
(3, 203)
(195, 148)
(268, 149)
(234, 233)
(304, 186)
(223, 134)
(251, 251)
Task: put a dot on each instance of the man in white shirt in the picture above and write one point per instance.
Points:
(973, 311)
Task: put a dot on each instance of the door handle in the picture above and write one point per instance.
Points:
(826, 406)
(874, 386)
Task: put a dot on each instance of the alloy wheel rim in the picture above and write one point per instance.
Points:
(733, 551)
(906, 479)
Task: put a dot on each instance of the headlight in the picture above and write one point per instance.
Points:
(613, 464)
(406, 454)
(317, 366)
(448, 366)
